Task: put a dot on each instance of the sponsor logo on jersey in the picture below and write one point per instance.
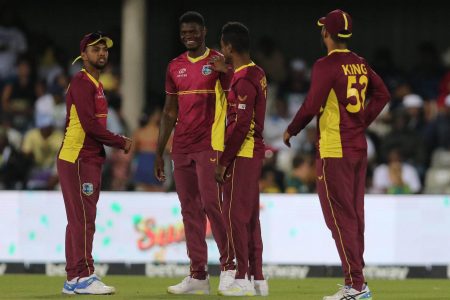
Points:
(182, 72)
(242, 106)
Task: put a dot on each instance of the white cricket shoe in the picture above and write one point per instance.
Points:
(69, 286)
(92, 285)
(239, 287)
(347, 292)
(190, 285)
(261, 287)
(226, 279)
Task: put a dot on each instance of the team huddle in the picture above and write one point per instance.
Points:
(215, 105)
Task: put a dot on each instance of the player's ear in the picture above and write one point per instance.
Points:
(205, 31)
(83, 56)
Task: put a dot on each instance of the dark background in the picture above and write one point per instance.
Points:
(399, 26)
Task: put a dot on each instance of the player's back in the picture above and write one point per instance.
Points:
(254, 143)
(342, 122)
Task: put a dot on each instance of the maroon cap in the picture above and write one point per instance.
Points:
(337, 22)
(92, 39)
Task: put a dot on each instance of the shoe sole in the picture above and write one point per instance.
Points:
(110, 293)
(221, 293)
(67, 292)
(196, 292)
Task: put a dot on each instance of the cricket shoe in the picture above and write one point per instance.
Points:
(348, 293)
(92, 285)
(226, 279)
(69, 286)
(239, 287)
(261, 287)
(190, 285)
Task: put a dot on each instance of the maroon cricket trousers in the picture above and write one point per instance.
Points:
(80, 185)
(341, 186)
(200, 197)
(241, 213)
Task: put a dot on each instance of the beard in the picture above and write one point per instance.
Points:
(192, 48)
(99, 66)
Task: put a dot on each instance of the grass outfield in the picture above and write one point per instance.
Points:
(140, 287)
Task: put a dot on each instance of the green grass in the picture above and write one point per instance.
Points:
(140, 287)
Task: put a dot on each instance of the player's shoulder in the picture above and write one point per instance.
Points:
(249, 75)
(357, 57)
(256, 70)
(80, 79)
(250, 71)
(213, 52)
(182, 58)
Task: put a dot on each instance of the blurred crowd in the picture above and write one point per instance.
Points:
(408, 145)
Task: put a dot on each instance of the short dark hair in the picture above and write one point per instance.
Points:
(192, 17)
(339, 40)
(238, 35)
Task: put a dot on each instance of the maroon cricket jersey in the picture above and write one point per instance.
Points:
(201, 102)
(245, 114)
(341, 85)
(86, 114)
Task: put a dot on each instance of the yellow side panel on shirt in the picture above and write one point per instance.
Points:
(330, 135)
(218, 127)
(74, 138)
(249, 143)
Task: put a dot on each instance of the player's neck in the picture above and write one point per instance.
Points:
(334, 46)
(94, 72)
(240, 60)
(198, 52)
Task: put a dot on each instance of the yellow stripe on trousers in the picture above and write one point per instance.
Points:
(85, 221)
(335, 221)
(220, 208)
(229, 210)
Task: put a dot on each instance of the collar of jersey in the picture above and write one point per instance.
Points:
(91, 77)
(339, 50)
(194, 60)
(244, 66)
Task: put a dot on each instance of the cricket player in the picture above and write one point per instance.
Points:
(346, 95)
(196, 106)
(240, 164)
(80, 162)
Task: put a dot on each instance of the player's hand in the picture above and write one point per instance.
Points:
(286, 138)
(128, 144)
(218, 64)
(159, 169)
(220, 174)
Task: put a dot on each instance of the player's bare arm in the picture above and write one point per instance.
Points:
(168, 119)
(128, 144)
(286, 138)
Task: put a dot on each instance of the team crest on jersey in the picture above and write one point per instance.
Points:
(206, 70)
(87, 188)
